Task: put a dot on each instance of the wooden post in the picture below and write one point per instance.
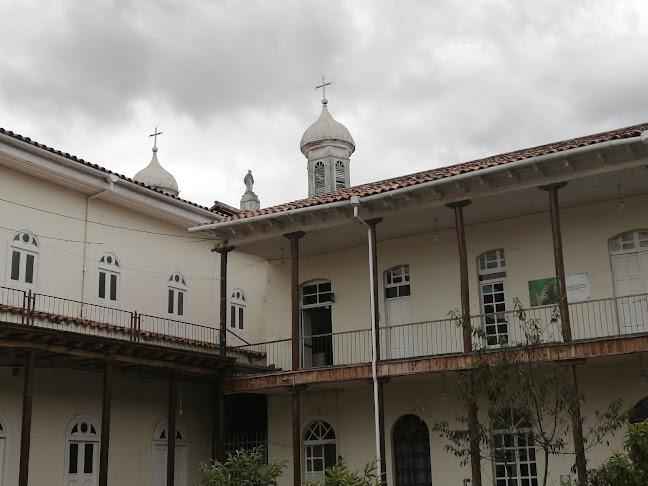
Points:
(296, 432)
(552, 189)
(25, 433)
(381, 425)
(171, 429)
(563, 307)
(294, 294)
(463, 272)
(105, 425)
(223, 250)
(220, 421)
(475, 454)
(374, 263)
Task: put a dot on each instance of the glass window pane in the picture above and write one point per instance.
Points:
(113, 287)
(170, 302)
(325, 287)
(29, 270)
(74, 458)
(88, 459)
(102, 285)
(240, 317)
(15, 265)
(232, 316)
(615, 244)
(329, 455)
(180, 303)
(391, 292)
(404, 290)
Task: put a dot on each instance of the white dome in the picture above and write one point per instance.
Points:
(326, 128)
(157, 177)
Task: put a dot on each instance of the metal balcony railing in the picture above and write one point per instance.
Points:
(589, 320)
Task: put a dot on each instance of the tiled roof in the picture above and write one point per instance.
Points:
(443, 172)
(218, 207)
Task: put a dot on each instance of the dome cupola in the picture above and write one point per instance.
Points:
(156, 176)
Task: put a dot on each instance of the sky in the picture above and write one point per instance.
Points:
(419, 83)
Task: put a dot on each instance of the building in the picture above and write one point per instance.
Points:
(565, 219)
(107, 311)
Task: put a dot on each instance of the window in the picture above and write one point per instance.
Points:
(3, 448)
(81, 451)
(397, 282)
(320, 178)
(237, 310)
(639, 412)
(319, 450)
(340, 176)
(629, 242)
(160, 452)
(22, 269)
(317, 293)
(411, 452)
(109, 276)
(514, 455)
(492, 291)
(177, 295)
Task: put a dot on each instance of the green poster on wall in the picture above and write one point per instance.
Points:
(543, 291)
(565, 480)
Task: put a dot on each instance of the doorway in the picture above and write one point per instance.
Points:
(629, 256)
(316, 340)
(398, 305)
(412, 465)
(160, 451)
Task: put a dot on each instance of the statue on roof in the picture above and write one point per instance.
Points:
(249, 201)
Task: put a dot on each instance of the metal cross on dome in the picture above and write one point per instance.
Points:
(323, 86)
(154, 135)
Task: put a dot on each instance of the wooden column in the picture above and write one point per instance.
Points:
(375, 284)
(294, 294)
(463, 272)
(381, 424)
(105, 425)
(563, 307)
(223, 250)
(296, 432)
(220, 455)
(552, 189)
(475, 455)
(25, 433)
(171, 429)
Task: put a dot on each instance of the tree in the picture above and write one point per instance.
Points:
(242, 468)
(629, 468)
(341, 475)
(525, 404)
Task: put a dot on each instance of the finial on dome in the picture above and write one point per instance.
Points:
(154, 135)
(323, 86)
(154, 175)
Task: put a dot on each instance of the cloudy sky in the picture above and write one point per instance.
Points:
(419, 84)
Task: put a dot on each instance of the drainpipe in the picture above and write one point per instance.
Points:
(111, 179)
(355, 202)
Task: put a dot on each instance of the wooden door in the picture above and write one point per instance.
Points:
(401, 339)
(160, 464)
(630, 273)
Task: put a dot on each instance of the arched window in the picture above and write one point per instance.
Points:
(319, 450)
(22, 270)
(177, 295)
(82, 451)
(4, 434)
(340, 176)
(629, 257)
(639, 412)
(319, 174)
(237, 310)
(411, 442)
(160, 449)
(491, 268)
(109, 280)
(514, 454)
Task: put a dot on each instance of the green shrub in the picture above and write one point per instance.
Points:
(242, 468)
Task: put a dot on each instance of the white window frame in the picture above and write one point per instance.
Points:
(109, 265)
(237, 316)
(322, 296)
(24, 249)
(316, 438)
(4, 435)
(91, 436)
(176, 291)
(340, 175)
(629, 242)
(398, 278)
(319, 178)
(519, 453)
(491, 271)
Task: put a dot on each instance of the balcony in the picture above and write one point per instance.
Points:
(55, 313)
(590, 320)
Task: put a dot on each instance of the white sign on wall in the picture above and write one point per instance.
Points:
(578, 287)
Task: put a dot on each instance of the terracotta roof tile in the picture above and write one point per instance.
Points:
(444, 172)
(218, 207)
